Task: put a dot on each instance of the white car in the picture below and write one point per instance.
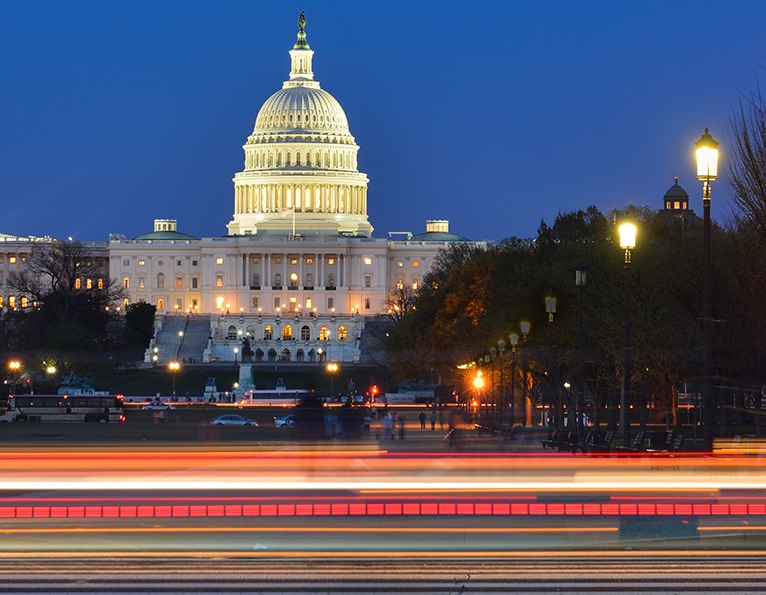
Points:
(287, 421)
(231, 419)
(158, 405)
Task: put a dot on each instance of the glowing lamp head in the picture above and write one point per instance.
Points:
(627, 236)
(707, 157)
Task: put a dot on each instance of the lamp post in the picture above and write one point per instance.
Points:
(526, 410)
(550, 308)
(514, 342)
(174, 367)
(707, 171)
(14, 367)
(627, 243)
(332, 369)
(581, 272)
(236, 351)
(492, 356)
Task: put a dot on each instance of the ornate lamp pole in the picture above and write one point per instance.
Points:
(514, 342)
(707, 171)
(550, 308)
(581, 271)
(174, 367)
(627, 243)
(526, 410)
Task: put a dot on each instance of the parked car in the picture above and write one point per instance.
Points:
(158, 405)
(286, 421)
(231, 419)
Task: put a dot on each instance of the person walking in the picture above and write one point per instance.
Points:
(433, 420)
(422, 418)
(401, 427)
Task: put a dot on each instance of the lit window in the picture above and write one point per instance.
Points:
(219, 302)
(287, 333)
(399, 263)
(12, 259)
(126, 282)
(309, 303)
(399, 284)
(12, 301)
(141, 263)
(219, 280)
(309, 261)
(342, 333)
(101, 284)
(330, 261)
(255, 302)
(78, 283)
(24, 301)
(324, 333)
(293, 261)
(141, 283)
(88, 283)
(160, 304)
(219, 260)
(179, 282)
(268, 332)
(160, 280)
(416, 263)
(367, 260)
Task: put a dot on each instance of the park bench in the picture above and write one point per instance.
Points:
(598, 441)
(561, 440)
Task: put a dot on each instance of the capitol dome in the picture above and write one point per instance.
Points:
(301, 175)
(302, 110)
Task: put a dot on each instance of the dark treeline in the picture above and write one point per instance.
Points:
(474, 298)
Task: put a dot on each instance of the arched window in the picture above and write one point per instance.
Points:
(285, 355)
(331, 280)
(268, 333)
(160, 304)
(287, 332)
(342, 333)
(250, 331)
(305, 333)
(259, 355)
(278, 280)
(126, 282)
(231, 333)
(299, 355)
(309, 280)
(293, 279)
(324, 333)
(272, 355)
(160, 280)
(256, 280)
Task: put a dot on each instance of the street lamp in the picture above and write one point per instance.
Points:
(14, 367)
(527, 409)
(236, 351)
(332, 369)
(627, 243)
(581, 272)
(514, 338)
(707, 171)
(550, 308)
(174, 367)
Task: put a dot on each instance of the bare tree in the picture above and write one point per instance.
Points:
(747, 159)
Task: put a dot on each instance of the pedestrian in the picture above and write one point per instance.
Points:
(401, 427)
(366, 421)
(388, 425)
(433, 420)
(422, 418)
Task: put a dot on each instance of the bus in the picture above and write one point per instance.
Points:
(64, 409)
(274, 397)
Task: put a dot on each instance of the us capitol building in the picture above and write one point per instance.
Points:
(298, 270)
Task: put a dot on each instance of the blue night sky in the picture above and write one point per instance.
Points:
(494, 115)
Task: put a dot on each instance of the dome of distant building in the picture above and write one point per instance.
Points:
(165, 229)
(437, 230)
(300, 177)
(676, 198)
